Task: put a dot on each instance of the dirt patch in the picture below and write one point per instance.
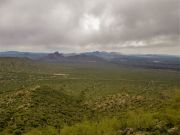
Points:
(60, 74)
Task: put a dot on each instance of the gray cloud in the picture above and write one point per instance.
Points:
(150, 26)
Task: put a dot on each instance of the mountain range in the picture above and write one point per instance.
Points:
(145, 61)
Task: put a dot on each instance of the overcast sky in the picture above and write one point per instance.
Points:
(127, 26)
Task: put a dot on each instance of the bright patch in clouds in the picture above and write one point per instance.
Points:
(134, 44)
(90, 23)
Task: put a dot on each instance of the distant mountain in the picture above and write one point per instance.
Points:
(30, 55)
(53, 57)
(80, 58)
(103, 54)
(85, 58)
(144, 61)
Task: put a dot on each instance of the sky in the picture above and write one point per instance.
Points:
(126, 26)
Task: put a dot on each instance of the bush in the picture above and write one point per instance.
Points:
(43, 131)
(170, 116)
(141, 120)
(108, 126)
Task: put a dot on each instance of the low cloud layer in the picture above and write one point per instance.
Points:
(130, 26)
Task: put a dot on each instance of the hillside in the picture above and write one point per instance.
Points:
(70, 99)
(37, 106)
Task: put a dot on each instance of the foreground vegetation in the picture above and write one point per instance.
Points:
(73, 99)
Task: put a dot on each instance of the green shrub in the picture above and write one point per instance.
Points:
(107, 126)
(170, 116)
(43, 131)
(141, 120)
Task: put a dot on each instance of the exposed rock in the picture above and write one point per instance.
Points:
(174, 131)
(127, 131)
(115, 102)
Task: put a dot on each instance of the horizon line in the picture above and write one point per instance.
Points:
(91, 52)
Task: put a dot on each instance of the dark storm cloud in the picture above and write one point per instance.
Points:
(83, 25)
